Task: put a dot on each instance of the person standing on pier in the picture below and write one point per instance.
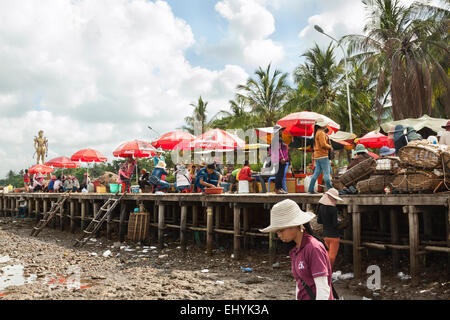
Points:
(310, 263)
(321, 156)
(26, 180)
(327, 215)
(126, 172)
(279, 159)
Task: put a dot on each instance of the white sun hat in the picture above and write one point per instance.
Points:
(286, 214)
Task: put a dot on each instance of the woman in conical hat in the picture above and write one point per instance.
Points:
(310, 264)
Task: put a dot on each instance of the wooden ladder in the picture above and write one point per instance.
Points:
(49, 215)
(98, 220)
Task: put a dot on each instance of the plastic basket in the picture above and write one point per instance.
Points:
(113, 187)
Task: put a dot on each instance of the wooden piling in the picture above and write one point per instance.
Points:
(44, 207)
(217, 212)
(1, 206)
(237, 231)
(413, 221)
(209, 227)
(61, 218)
(123, 212)
(356, 223)
(447, 222)
(36, 208)
(394, 237)
(109, 224)
(72, 216)
(161, 226)
(245, 228)
(30, 207)
(183, 221)
(83, 214)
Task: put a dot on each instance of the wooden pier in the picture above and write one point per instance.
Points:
(416, 223)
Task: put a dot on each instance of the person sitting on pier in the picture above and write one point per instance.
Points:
(361, 155)
(156, 178)
(143, 179)
(57, 185)
(22, 208)
(51, 184)
(38, 184)
(182, 178)
(76, 184)
(68, 184)
(310, 263)
(208, 177)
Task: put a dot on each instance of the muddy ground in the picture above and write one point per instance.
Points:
(49, 267)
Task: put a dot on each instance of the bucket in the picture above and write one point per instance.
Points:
(243, 186)
(135, 189)
(113, 187)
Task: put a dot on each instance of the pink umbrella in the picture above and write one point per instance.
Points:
(302, 123)
(215, 139)
(88, 155)
(171, 139)
(39, 168)
(135, 148)
(62, 162)
(374, 140)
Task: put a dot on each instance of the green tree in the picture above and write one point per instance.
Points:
(401, 44)
(266, 95)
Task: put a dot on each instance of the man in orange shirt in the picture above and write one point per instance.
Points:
(321, 160)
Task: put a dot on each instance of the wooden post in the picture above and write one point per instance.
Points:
(237, 232)
(44, 207)
(356, 222)
(30, 207)
(183, 221)
(347, 234)
(36, 208)
(83, 214)
(161, 226)
(1, 206)
(55, 217)
(427, 225)
(382, 220)
(246, 228)
(122, 221)
(72, 216)
(209, 227)
(217, 222)
(109, 224)
(394, 238)
(447, 221)
(413, 220)
(61, 218)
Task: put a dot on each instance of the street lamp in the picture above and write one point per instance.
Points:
(154, 131)
(319, 29)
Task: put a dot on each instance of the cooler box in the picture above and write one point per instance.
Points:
(100, 189)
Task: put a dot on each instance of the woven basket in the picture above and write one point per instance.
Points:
(415, 182)
(138, 225)
(361, 171)
(387, 165)
(421, 156)
(446, 161)
(375, 184)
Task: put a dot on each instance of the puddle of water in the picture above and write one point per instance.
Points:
(13, 276)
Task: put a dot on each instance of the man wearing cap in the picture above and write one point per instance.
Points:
(321, 159)
(445, 137)
(310, 263)
(327, 215)
(361, 155)
(208, 177)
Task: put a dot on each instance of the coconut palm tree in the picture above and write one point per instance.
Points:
(237, 118)
(266, 94)
(400, 43)
(199, 116)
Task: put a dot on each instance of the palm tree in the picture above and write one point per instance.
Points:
(318, 82)
(400, 43)
(237, 118)
(265, 95)
(198, 116)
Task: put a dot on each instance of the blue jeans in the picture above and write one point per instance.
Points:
(162, 185)
(322, 166)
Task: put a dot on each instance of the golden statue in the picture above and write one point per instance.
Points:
(41, 147)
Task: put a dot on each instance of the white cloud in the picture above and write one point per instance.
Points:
(250, 25)
(95, 74)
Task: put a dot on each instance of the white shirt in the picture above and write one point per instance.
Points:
(445, 138)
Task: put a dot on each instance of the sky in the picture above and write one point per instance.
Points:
(96, 73)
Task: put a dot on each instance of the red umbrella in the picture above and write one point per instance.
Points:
(62, 162)
(302, 123)
(374, 140)
(88, 155)
(171, 139)
(135, 148)
(39, 168)
(215, 139)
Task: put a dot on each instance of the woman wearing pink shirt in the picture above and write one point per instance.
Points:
(310, 264)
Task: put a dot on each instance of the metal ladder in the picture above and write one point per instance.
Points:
(98, 220)
(49, 215)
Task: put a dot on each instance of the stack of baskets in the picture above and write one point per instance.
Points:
(420, 168)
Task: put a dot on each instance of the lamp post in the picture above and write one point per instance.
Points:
(154, 131)
(319, 29)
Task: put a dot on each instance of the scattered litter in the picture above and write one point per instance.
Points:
(403, 276)
(93, 253)
(92, 239)
(264, 262)
(152, 248)
(5, 259)
(144, 251)
(107, 253)
(205, 271)
(163, 256)
(423, 291)
(127, 249)
(178, 247)
(122, 247)
(375, 293)
(246, 269)
(339, 276)
(219, 282)
(276, 265)
(232, 256)
(364, 298)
